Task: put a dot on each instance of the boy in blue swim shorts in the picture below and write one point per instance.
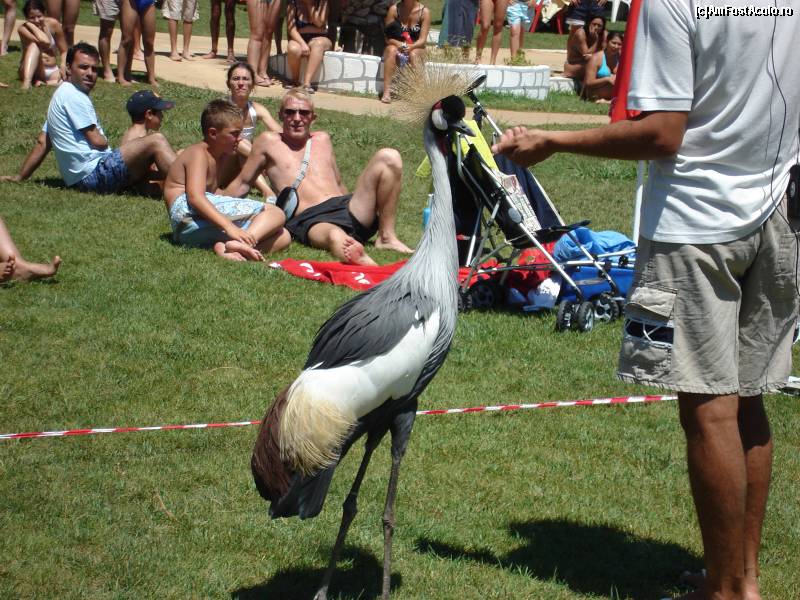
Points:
(236, 228)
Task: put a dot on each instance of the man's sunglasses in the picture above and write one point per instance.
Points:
(303, 112)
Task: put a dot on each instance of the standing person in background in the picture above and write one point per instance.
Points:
(491, 13)
(143, 14)
(66, 13)
(406, 27)
(713, 305)
(41, 37)
(263, 16)
(108, 12)
(230, 27)
(180, 10)
(580, 12)
(307, 22)
(9, 18)
(519, 16)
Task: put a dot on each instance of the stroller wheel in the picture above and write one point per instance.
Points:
(483, 295)
(605, 308)
(564, 315)
(584, 317)
(463, 301)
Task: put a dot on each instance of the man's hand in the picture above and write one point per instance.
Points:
(524, 146)
(240, 235)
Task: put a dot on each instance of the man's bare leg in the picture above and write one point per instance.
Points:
(140, 153)
(377, 193)
(334, 239)
(21, 269)
(718, 478)
(104, 47)
(757, 442)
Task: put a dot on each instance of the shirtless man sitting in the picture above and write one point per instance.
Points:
(326, 216)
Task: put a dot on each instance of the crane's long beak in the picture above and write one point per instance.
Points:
(462, 127)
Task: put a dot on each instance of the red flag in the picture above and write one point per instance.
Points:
(619, 103)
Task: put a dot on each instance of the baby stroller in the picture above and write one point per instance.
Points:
(502, 210)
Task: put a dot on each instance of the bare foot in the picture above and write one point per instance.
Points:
(27, 271)
(264, 81)
(210, 55)
(244, 250)
(7, 268)
(386, 99)
(108, 76)
(152, 82)
(354, 253)
(219, 250)
(231, 57)
(175, 56)
(125, 82)
(3, 84)
(392, 243)
(187, 56)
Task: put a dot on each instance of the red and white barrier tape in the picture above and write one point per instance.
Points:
(449, 411)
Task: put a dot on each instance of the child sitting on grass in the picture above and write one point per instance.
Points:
(146, 109)
(237, 228)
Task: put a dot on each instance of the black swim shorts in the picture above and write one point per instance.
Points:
(335, 211)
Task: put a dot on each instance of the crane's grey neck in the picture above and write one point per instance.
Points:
(437, 248)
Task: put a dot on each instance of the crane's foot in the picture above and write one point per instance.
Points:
(322, 593)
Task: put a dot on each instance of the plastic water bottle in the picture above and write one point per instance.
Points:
(426, 212)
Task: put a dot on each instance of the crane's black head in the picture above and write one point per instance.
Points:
(448, 114)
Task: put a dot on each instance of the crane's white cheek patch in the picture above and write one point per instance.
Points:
(363, 386)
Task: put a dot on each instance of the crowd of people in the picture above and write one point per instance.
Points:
(204, 185)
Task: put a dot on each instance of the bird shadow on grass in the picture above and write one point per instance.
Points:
(358, 576)
(590, 559)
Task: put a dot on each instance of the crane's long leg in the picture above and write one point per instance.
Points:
(349, 510)
(401, 431)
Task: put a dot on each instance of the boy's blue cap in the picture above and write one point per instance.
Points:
(146, 99)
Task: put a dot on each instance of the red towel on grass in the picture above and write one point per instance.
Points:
(360, 278)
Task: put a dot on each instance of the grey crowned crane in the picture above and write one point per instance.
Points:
(373, 358)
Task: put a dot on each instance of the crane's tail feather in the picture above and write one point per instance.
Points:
(312, 430)
(271, 475)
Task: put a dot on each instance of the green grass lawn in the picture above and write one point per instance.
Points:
(567, 504)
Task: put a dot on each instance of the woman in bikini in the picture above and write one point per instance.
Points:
(66, 13)
(406, 27)
(263, 16)
(581, 45)
(307, 25)
(41, 38)
(491, 13)
(601, 70)
(241, 81)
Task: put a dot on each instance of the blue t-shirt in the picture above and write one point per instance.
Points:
(70, 111)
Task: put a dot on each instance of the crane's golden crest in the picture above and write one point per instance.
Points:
(418, 87)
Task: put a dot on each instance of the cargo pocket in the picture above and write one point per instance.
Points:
(786, 279)
(646, 353)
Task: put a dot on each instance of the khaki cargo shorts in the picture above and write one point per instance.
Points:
(714, 318)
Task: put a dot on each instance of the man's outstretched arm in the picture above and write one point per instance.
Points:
(650, 136)
(35, 157)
